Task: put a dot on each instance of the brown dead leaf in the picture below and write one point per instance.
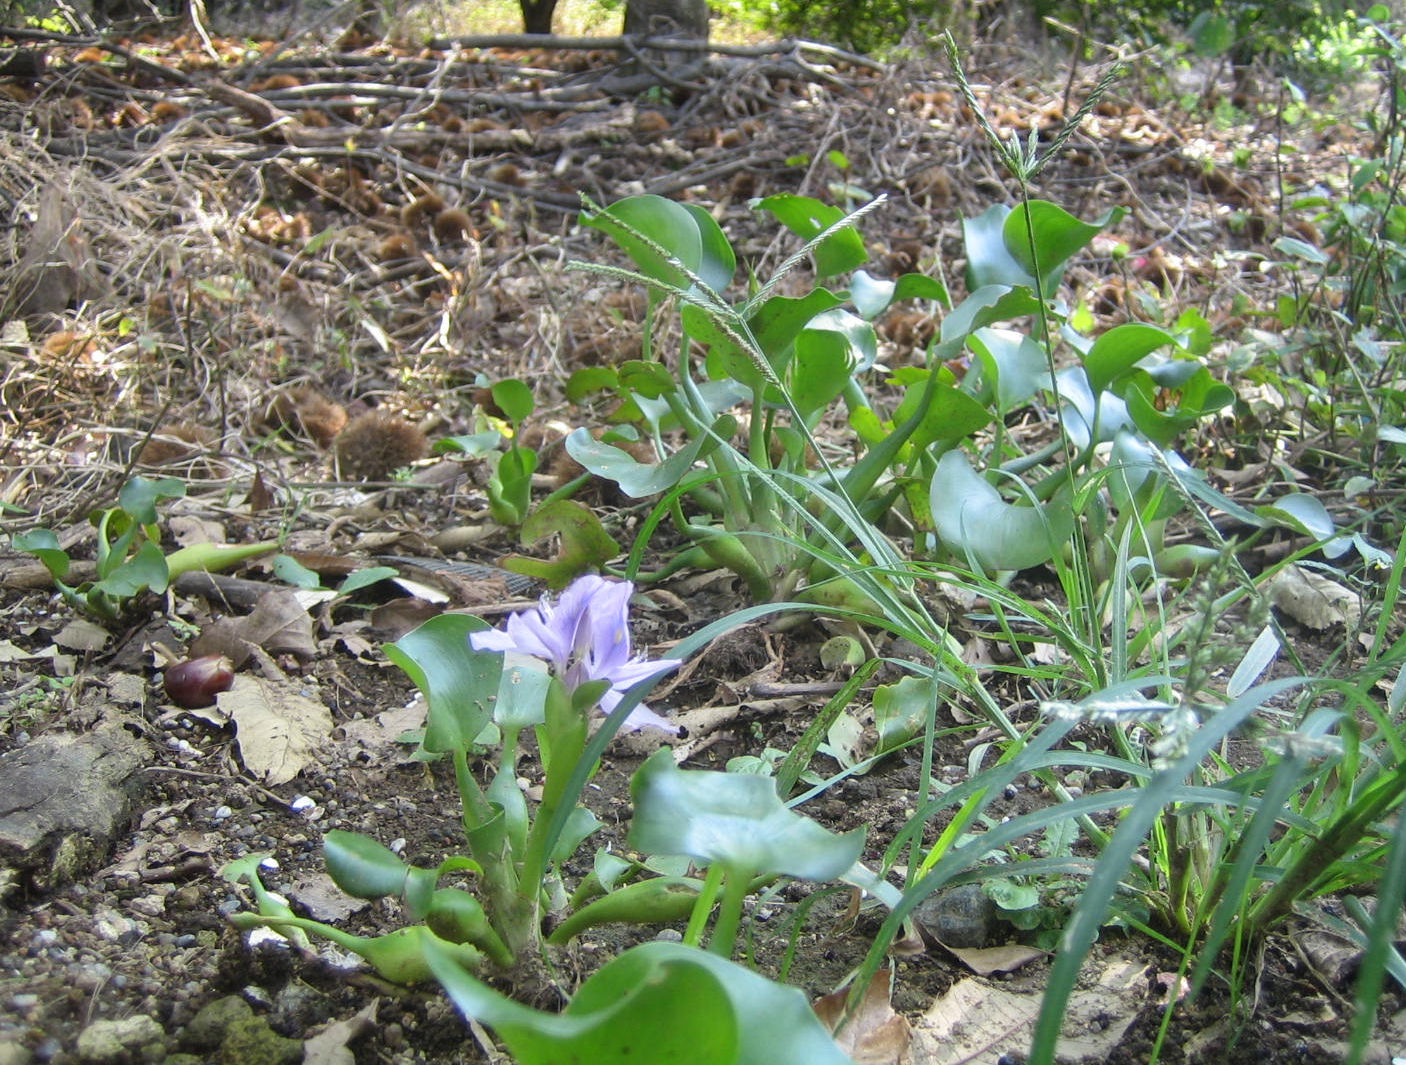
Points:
(80, 634)
(261, 498)
(383, 731)
(277, 726)
(876, 1035)
(329, 1047)
(279, 624)
(1312, 599)
(187, 529)
(390, 621)
(977, 1021)
(984, 961)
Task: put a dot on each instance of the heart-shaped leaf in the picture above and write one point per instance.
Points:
(734, 819)
(686, 233)
(459, 684)
(361, 866)
(583, 543)
(639, 479)
(1119, 349)
(1011, 367)
(140, 495)
(975, 522)
(662, 1003)
(808, 218)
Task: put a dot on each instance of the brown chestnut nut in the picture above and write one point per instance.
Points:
(195, 682)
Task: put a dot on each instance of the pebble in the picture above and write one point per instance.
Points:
(149, 905)
(48, 1049)
(92, 976)
(960, 917)
(13, 1053)
(107, 1040)
(207, 1028)
(223, 813)
(24, 1001)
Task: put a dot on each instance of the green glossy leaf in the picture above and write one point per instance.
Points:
(589, 380)
(871, 295)
(989, 261)
(43, 544)
(1301, 512)
(649, 379)
(953, 415)
(362, 867)
(726, 358)
(778, 321)
(639, 479)
(1119, 349)
(459, 684)
(580, 824)
(901, 710)
(1011, 367)
(661, 1003)
(582, 543)
(998, 244)
(692, 237)
(140, 495)
(863, 341)
(514, 399)
(974, 521)
(289, 570)
(144, 571)
(736, 820)
(808, 218)
(823, 366)
(985, 306)
(522, 696)
(364, 578)
(1059, 236)
(1163, 415)
(474, 445)
(922, 287)
(510, 487)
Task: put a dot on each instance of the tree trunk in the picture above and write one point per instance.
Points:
(537, 15)
(667, 18)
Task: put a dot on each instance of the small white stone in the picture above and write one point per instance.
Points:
(301, 804)
(259, 936)
(223, 813)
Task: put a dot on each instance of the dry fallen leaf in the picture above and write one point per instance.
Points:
(382, 732)
(80, 634)
(977, 1021)
(279, 623)
(876, 1035)
(1312, 599)
(277, 726)
(329, 1047)
(984, 961)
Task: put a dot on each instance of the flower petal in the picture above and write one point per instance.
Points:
(638, 718)
(609, 620)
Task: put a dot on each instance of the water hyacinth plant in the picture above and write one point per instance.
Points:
(585, 637)
(546, 673)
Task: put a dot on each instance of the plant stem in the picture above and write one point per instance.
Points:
(698, 920)
(736, 884)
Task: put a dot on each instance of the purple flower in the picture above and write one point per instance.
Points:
(585, 636)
